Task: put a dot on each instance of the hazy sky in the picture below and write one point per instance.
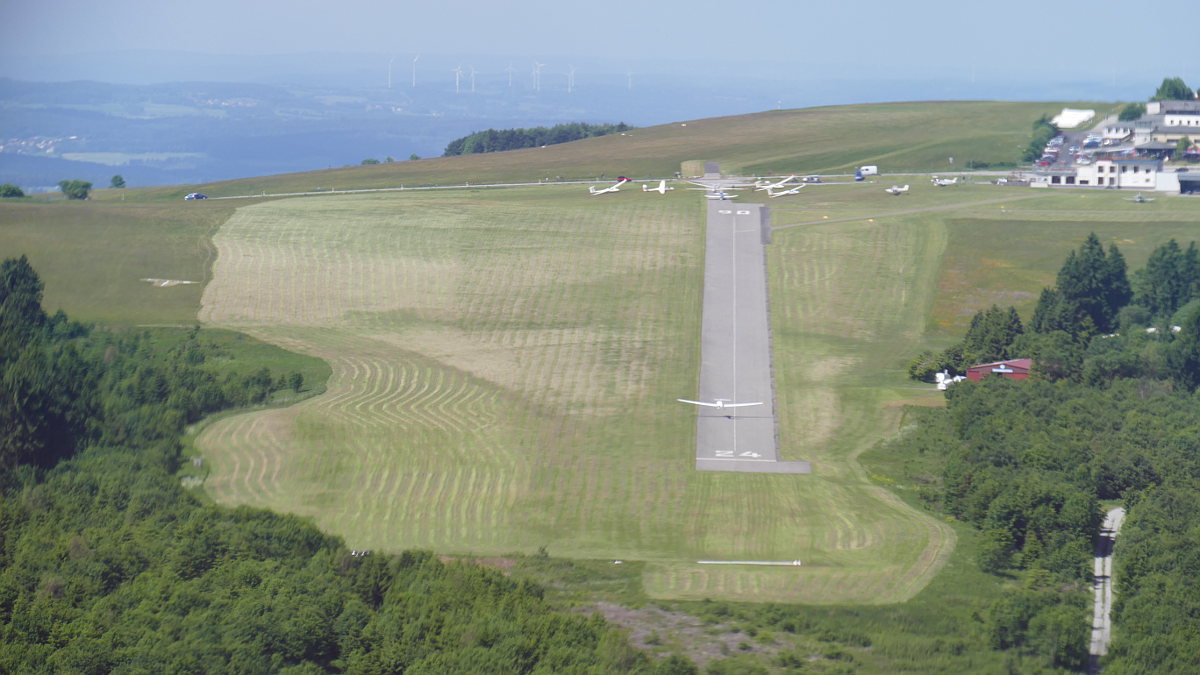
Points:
(1102, 39)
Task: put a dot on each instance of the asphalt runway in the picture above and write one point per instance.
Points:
(735, 346)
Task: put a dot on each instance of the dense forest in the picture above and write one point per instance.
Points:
(493, 140)
(107, 563)
(1111, 412)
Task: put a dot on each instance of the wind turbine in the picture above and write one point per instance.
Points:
(472, 79)
(537, 75)
(629, 80)
(457, 76)
(390, 71)
(414, 68)
(509, 70)
(571, 79)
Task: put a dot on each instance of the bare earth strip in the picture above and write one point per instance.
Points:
(504, 376)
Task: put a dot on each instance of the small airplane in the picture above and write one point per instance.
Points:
(661, 189)
(1139, 199)
(713, 191)
(943, 182)
(719, 403)
(772, 194)
(771, 186)
(616, 187)
(896, 190)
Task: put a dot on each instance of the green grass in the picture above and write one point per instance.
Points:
(505, 366)
(92, 257)
(504, 363)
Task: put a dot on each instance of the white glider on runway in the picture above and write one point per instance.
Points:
(612, 188)
(772, 186)
(718, 403)
(661, 189)
(772, 194)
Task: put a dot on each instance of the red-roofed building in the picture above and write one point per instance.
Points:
(1016, 369)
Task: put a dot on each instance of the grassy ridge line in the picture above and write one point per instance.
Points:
(898, 136)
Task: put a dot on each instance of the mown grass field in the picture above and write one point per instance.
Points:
(505, 362)
(505, 368)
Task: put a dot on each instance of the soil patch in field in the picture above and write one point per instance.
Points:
(658, 631)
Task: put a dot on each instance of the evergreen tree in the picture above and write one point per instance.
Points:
(1093, 286)
(991, 333)
(1172, 89)
(1169, 280)
(20, 305)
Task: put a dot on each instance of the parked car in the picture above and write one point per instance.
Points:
(195, 195)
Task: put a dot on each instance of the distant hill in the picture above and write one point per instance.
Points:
(922, 136)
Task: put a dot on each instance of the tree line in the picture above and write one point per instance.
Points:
(1110, 413)
(1096, 323)
(107, 563)
(493, 140)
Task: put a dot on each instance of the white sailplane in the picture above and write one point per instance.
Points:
(773, 186)
(719, 403)
(616, 187)
(896, 190)
(772, 194)
(661, 189)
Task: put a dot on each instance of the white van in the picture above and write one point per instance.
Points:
(870, 170)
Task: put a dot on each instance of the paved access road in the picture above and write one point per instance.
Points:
(1103, 587)
(735, 346)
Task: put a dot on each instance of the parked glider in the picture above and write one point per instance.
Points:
(719, 403)
(896, 190)
(615, 187)
(661, 189)
(773, 186)
(772, 194)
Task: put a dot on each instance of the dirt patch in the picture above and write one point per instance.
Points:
(659, 631)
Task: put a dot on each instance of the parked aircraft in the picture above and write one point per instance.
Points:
(772, 194)
(896, 190)
(616, 187)
(1138, 198)
(943, 182)
(719, 403)
(661, 189)
(713, 190)
(771, 186)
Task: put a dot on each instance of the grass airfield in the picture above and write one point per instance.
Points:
(505, 362)
(505, 365)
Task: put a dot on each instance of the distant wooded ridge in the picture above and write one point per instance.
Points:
(493, 140)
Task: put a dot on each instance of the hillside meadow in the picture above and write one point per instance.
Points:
(505, 362)
(925, 136)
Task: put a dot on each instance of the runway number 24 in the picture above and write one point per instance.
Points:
(729, 453)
